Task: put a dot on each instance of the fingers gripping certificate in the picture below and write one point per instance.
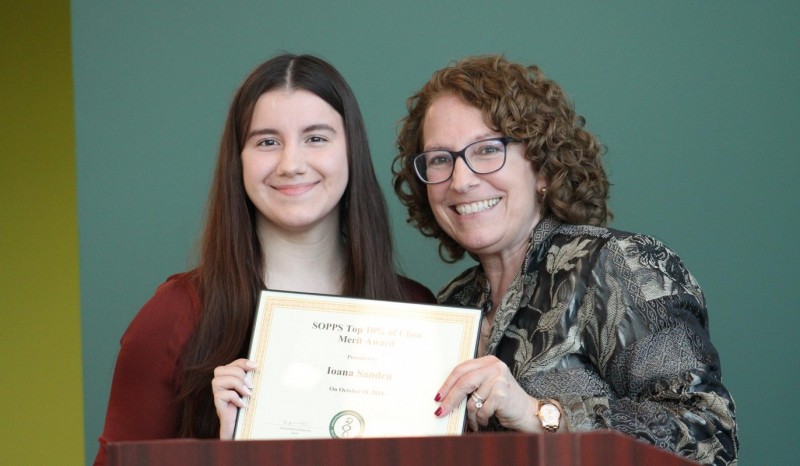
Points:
(336, 367)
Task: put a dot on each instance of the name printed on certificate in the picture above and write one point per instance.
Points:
(337, 367)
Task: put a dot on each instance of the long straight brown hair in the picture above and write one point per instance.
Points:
(230, 273)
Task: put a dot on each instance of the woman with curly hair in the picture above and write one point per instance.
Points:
(585, 327)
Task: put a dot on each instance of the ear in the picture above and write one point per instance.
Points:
(542, 184)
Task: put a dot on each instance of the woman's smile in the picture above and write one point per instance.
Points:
(475, 207)
(295, 189)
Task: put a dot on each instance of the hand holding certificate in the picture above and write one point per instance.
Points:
(336, 367)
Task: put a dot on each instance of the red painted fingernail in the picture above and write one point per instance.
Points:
(437, 397)
(438, 411)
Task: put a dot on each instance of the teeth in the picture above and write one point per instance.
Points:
(475, 207)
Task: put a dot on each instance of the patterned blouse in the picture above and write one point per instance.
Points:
(613, 326)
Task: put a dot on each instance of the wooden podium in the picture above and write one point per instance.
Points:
(599, 448)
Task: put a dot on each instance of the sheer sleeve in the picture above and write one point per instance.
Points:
(650, 342)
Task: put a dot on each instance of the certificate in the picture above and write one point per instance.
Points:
(337, 367)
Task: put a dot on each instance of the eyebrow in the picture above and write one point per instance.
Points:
(308, 129)
(319, 127)
(480, 137)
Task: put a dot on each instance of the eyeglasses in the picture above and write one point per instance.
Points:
(482, 157)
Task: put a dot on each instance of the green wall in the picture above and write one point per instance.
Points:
(697, 102)
(41, 395)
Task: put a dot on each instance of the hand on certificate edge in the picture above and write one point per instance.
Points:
(229, 385)
(491, 380)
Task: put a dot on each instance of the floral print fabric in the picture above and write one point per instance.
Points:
(613, 326)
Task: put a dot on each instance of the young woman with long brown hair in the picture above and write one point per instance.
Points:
(294, 205)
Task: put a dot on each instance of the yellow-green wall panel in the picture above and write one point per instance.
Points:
(41, 387)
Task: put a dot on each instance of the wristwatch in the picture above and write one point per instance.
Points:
(549, 414)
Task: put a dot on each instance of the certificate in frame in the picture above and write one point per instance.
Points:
(339, 367)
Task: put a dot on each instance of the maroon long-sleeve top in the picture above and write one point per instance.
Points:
(143, 404)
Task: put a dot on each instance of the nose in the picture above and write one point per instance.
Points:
(292, 161)
(463, 178)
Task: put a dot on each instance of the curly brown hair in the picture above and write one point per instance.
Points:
(517, 101)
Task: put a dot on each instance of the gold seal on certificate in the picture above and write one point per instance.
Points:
(346, 424)
(337, 367)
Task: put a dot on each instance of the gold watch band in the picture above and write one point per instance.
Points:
(549, 414)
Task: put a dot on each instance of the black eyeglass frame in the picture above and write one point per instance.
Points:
(506, 140)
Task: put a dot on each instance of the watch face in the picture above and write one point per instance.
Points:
(550, 412)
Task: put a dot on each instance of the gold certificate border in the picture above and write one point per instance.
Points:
(270, 300)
